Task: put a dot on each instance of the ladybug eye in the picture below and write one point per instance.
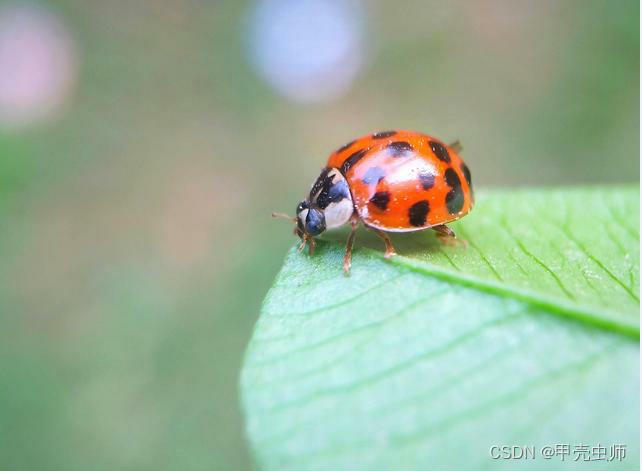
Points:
(315, 222)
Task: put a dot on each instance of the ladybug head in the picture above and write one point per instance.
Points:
(328, 205)
(310, 220)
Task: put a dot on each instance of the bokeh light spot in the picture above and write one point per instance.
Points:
(308, 50)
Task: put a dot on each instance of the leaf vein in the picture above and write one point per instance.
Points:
(384, 374)
(347, 333)
(482, 255)
(536, 260)
(597, 261)
(328, 307)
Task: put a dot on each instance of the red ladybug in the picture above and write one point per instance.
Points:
(392, 181)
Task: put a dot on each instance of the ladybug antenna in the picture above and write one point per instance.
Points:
(284, 216)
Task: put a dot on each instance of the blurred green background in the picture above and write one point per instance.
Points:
(144, 144)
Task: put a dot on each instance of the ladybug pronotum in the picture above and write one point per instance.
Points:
(392, 181)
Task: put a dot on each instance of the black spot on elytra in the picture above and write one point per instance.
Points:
(418, 212)
(373, 175)
(399, 148)
(452, 179)
(383, 134)
(353, 159)
(344, 147)
(455, 197)
(455, 200)
(381, 200)
(440, 151)
(466, 172)
(427, 180)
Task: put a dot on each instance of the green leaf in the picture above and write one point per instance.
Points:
(527, 336)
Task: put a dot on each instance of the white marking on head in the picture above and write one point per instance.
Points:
(302, 215)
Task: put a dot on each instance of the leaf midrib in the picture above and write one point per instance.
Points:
(603, 319)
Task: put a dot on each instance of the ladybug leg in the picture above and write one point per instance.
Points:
(456, 146)
(347, 258)
(305, 239)
(447, 235)
(390, 250)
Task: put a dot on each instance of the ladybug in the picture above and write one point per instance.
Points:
(391, 181)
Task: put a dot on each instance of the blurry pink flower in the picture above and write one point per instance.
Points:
(37, 64)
